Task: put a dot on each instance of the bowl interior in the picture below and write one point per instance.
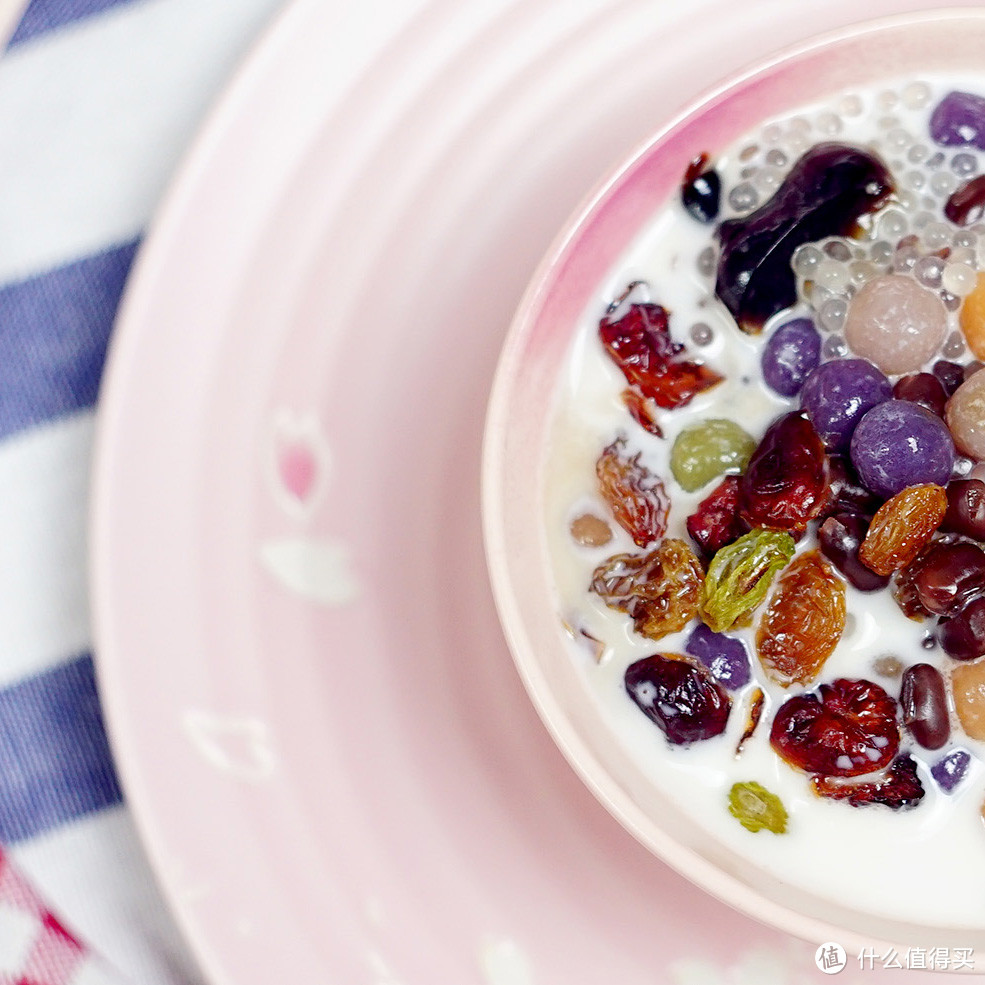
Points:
(518, 428)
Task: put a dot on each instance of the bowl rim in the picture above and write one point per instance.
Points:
(719, 883)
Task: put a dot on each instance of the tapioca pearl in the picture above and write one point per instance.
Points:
(922, 220)
(836, 249)
(916, 95)
(929, 271)
(766, 180)
(964, 164)
(951, 301)
(887, 99)
(963, 254)
(892, 224)
(954, 346)
(936, 159)
(899, 139)
(772, 133)
(702, 333)
(881, 251)
(864, 270)
(851, 104)
(895, 323)
(936, 235)
(834, 347)
(707, 261)
(805, 260)
(965, 239)
(832, 275)
(965, 416)
(915, 179)
(776, 158)
(748, 152)
(958, 278)
(744, 197)
(832, 314)
(828, 124)
(943, 183)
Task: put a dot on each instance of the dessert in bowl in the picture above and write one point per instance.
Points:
(734, 515)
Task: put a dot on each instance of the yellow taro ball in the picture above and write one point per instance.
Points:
(968, 687)
(972, 318)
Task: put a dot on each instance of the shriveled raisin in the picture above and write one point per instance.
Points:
(683, 700)
(740, 575)
(642, 411)
(660, 591)
(898, 788)
(803, 621)
(756, 808)
(639, 343)
(845, 728)
(785, 484)
(716, 522)
(902, 526)
(637, 498)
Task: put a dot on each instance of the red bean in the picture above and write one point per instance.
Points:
(923, 703)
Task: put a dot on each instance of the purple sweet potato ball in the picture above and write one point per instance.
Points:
(899, 444)
(838, 394)
(791, 353)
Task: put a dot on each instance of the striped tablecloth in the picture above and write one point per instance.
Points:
(98, 101)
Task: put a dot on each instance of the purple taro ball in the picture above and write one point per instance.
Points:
(950, 770)
(723, 655)
(958, 120)
(837, 395)
(900, 444)
(792, 351)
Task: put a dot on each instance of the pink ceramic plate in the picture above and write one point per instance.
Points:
(335, 767)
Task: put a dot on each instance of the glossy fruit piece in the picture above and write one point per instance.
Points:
(716, 522)
(803, 622)
(966, 204)
(901, 528)
(923, 706)
(899, 444)
(968, 692)
(950, 374)
(895, 323)
(756, 809)
(660, 591)
(790, 355)
(847, 494)
(949, 576)
(966, 508)
(682, 699)
(740, 575)
(707, 449)
(899, 788)
(963, 635)
(701, 190)
(924, 389)
(637, 498)
(845, 728)
(950, 770)
(725, 656)
(824, 194)
(785, 484)
(965, 416)
(904, 589)
(839, 537)
(639, 342)
(757, 701)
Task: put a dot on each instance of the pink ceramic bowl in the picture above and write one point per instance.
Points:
(566, 284)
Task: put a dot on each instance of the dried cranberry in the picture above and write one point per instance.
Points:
(639, 342)
(716, 522)
(682, 699)
(898, 788)
(786, 483)
(641, 411)
(845, 728)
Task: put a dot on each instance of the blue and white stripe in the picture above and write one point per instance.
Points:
(98, 101)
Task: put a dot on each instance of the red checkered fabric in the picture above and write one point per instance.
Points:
(35, 947)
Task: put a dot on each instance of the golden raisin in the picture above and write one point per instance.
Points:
(636, 496)
(660, 590)
(968, 689)
(902, 526)
(803, 621)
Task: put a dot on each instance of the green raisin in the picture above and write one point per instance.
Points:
(756, 808)
(740, 575)
(708, 449)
